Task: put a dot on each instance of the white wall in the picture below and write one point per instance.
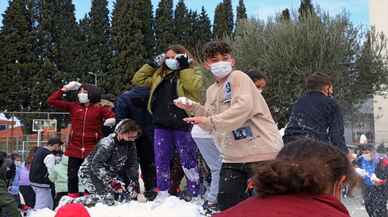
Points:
(378, 17)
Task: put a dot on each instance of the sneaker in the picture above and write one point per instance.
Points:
(150, 195)
(209, 208)
(185, 195)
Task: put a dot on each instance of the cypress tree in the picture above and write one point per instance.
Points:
(306, 9)
(16, 58)
(241, 12)
(204, 26)
(220, 26)
(148, 29)
(201, 32)
(164, 25)
(132, 36)
(229, 15)
(98, 39)
(285, 16)
(182, 23)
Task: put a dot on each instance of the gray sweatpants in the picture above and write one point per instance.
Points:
(213, 159)
(43, 198)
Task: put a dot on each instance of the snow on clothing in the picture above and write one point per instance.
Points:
(86, 124)
(369, 166)
(236, 104)
(375, 196)
(105, 163)
(171, 132)
(165, 143)
(316, 116)
(301, 205)
(212, 157)
(132, 104)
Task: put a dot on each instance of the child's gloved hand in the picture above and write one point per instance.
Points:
(72, 85)
(117, 186)
(110, 122)
(376, 180)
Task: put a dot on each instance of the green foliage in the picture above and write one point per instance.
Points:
(182, 23)
(306, 9)
(97, 39)
(289, 51)
(285, 16)
(220, 24)
(16, 57)
(164, 25)
(241, 12)
(131, 44)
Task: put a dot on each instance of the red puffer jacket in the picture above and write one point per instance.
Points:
(86, 124)
(300, 205)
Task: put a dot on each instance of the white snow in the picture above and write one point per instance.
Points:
(170, 207)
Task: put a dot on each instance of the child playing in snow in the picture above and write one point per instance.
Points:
(239, 118)
(100, 171)
(373, 170)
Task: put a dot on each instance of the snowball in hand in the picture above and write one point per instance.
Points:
(183, 100)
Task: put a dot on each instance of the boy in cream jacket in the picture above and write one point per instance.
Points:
(237, 115)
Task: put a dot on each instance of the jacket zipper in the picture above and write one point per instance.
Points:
(83, 133)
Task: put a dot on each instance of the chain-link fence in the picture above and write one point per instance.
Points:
(18, 135)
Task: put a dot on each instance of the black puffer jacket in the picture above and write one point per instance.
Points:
(105, 164)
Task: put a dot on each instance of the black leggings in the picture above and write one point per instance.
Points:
(72, 173)
(145, 153)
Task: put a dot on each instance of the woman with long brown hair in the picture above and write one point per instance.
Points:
(169, 76)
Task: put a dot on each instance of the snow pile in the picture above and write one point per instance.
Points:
(170, 207)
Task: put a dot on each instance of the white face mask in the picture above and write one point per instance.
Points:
(221, 69)
(172, 64)
(83, 98)
(367, 156)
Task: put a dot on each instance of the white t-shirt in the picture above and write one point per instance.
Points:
(198, 132)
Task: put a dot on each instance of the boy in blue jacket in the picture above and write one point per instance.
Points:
(373, 170)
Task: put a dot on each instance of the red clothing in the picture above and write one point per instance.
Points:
(72, 210)
(301, 205)
(86, 124)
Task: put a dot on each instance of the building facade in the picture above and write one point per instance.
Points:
(378, 17)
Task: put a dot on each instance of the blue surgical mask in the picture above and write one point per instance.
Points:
(172, 64)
